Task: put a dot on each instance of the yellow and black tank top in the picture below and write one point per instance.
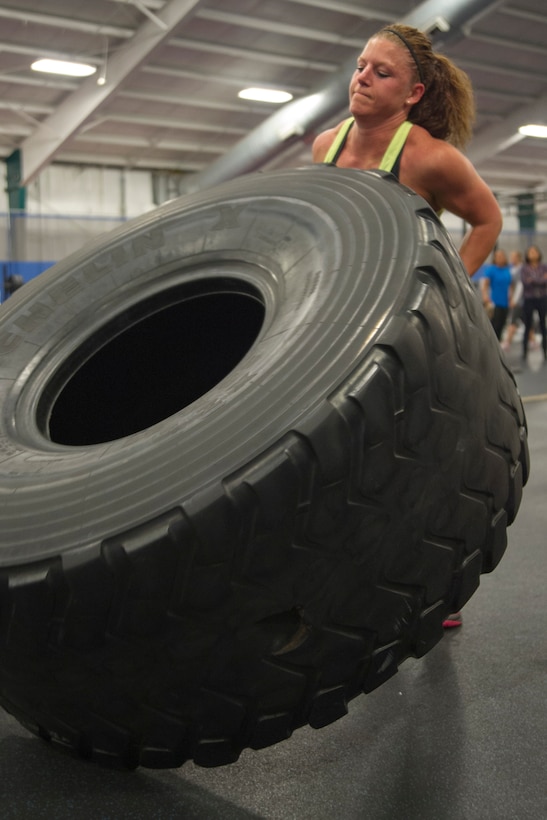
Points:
(391, 160)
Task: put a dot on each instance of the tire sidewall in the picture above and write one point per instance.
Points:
(327, 292)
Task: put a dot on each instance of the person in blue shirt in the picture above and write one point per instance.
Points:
(497, 290)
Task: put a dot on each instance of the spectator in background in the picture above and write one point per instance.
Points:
(497, 291)
(515, 261)
(476, 280)
(533, 274)
(515, 313)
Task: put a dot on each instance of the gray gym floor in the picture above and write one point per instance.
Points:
(457, 735)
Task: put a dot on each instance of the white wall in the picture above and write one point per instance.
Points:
(68, 205)
(90, 191)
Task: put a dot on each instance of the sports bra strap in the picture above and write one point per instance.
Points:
(391, 155)
(395, 146)
(338, 143)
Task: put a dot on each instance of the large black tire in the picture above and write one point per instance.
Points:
(254, 446)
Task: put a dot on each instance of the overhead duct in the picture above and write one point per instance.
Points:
(443, 21)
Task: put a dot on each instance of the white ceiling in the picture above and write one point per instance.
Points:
(173, 69)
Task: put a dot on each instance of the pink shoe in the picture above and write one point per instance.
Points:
(453, 620)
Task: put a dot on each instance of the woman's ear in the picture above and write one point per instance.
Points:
(418, 91)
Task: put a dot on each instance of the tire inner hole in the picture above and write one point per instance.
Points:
(151, 362)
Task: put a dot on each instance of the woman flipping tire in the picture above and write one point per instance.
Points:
(254, 447)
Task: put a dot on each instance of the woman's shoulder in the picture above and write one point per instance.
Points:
(433, 155)
(420, 136)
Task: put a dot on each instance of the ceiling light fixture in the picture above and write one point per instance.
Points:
(270, 95)
(64, 67)
(534, 131)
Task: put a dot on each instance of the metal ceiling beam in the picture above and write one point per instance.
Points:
(529, 16)
(252, 54)
(145, 143)
(41, 147)
(498, 70)
(172, 124)
(220, 79)
(134, 159)
(31, 48)
(193, 102)
(300, 118)
(344, 8)
(58, 85)
(30, 17)
(273, 27)
(506, 43)
(151, 4)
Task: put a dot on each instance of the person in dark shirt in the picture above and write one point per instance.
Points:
(533, 274)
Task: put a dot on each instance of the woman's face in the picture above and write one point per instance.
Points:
(500, 259)
(533, 254)
(383, 84)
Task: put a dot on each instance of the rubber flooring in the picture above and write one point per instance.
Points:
(457, 735)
